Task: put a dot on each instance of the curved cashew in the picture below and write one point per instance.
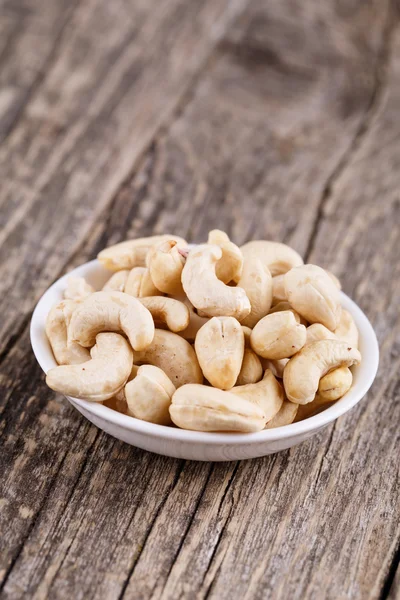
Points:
(335, 384)
(117, 281)
(317, 332)
(334, 279)
(279, 258)
(149, 395)
(173, 313)
(251, 370)
(229, 267)
(256, 281)
(195, 321)
(247, 335)
(56, 331)
(205, 291)
(111, 311)
(312, 408)
(267, 394)
(77, 289)
(132, 253)
(99, 378)
(278, 335)
(139, 283)
(118, 402)
(276, 366)
(303, 372)
(203, 408)
(312, 293)
(174, 355)
(284, 305)
(165, 263)
(285, 416)
(278, 290)
(219, 348)
(347, 330)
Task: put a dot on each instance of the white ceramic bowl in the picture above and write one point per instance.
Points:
(194, 445)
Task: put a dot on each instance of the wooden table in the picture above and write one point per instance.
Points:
(272, 119)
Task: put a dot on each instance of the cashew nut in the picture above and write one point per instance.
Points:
(285, 416)
(247, 335)
(195, 321)
(312, 408)
(111, 311)
(99, 378)
(173, 313)
(229, 267)
(117, 281)
(312, 293)
(279, 258)
(251, 370)
(139, 283)
(256, 281)
(203, 408)
(278, 290)
(267, 394)
(334, 279)
(276, 366)
(77, 289)
(316, 332)
(174, 355)
(118, 402)
(303, 372)
(205, 291)
(149, 395)
(278, 335)
(347, 330)
(56, 331)
(335, 384)
(219, 348)
(165, 263)
(132, 253)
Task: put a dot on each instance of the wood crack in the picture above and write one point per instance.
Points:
(380, 84)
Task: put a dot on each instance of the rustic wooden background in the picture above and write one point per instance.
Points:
(271, 119)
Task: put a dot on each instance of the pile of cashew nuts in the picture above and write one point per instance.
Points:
(210, 337)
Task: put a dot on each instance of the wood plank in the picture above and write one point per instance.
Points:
(30, 35)
(106, 520)
(123, 69)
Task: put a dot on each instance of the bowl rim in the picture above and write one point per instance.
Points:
(369, 367)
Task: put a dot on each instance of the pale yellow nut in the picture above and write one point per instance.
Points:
(256, 281)
(205, 291)
(317, 332)
(149, 395)
(347, 330)
(334, 279)
(278, 290)
(99, 378)
(267, 394)
(111, 311)
(247, 335)
(285, 416)
(118, 402)
(229, 267)
(195, 321)
(312, 293)
(139, 283)
(56, 331)
(219, 348)
(132, 253)
(284, 305)
(276, 366)
(303, 372)
(77, 289)
(174, 355)
(173, 313)
(278, 335)
(279, 258)
(203, 408)
(335, 384)
(165, 263)
(117, 281)
(251, 370)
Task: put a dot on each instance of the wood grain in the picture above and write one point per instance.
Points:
(288, 132)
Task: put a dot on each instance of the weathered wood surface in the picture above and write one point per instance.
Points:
(271, 119)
